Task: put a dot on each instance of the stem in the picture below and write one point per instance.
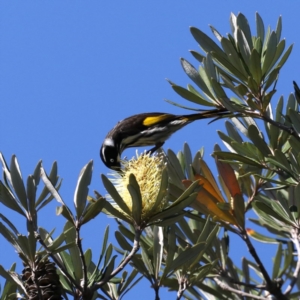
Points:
(297, 269)
(135, 248)
(226, 287)
(271, 287)
(57, 262)
(156, 293)
(181, 287)
(81, 255)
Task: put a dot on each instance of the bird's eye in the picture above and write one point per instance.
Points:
(112, 160)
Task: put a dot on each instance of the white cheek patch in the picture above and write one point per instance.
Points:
(107, 142)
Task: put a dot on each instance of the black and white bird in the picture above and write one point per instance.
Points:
(146, 129)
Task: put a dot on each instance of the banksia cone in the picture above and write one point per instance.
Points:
(148, 171)
(42, 281)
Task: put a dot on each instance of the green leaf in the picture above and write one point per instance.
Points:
(53, 179)
(260, 27)
(216, 33)
(260, 206)
(243, 47)
(269, 53)
(277, 262)
(115, 195)
(236, 157)
(197, 55)
(294, 115)
(158, 247)
(261, 238)
(188, 255)
(75, 261)
(176, 207)
(243, 24)
(135, 193)
(163, 190)
(17, 182)
(255, 66)
(82, 188)
(65, 210)
(186, 94)
(31, 194)
(257, 138)
(122, 241)
(233, 57)
(284, 57)
(279, 28)
(272, 77)
(193, 74)
(92, 210)
(205, 42)
(8, 199)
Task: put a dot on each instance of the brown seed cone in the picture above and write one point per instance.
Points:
(43, 280)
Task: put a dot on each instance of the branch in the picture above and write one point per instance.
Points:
(181, 287)
(58, 263)
(81, 255)
(135, 248)
(271, 287)
(297, 269)
(253, 252)
(226, 287)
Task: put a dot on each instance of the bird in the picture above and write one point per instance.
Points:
(146, 129)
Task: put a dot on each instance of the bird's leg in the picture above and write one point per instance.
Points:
(157, 146)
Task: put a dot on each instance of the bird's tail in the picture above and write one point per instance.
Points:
(214, 113)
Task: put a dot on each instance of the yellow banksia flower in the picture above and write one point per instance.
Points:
(148, 172)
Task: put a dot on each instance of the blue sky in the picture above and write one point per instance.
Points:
(69, 70)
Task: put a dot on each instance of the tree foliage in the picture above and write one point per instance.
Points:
(178, 238)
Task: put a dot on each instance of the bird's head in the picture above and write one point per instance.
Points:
(110, 154)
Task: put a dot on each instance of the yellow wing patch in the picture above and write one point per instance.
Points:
(155, 120)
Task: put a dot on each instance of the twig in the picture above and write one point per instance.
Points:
(61, 266)
(226, 287)
(297, 269)
(271, 287)
(135, 248)
(81, 255)
(181, 287)
(252, 286)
